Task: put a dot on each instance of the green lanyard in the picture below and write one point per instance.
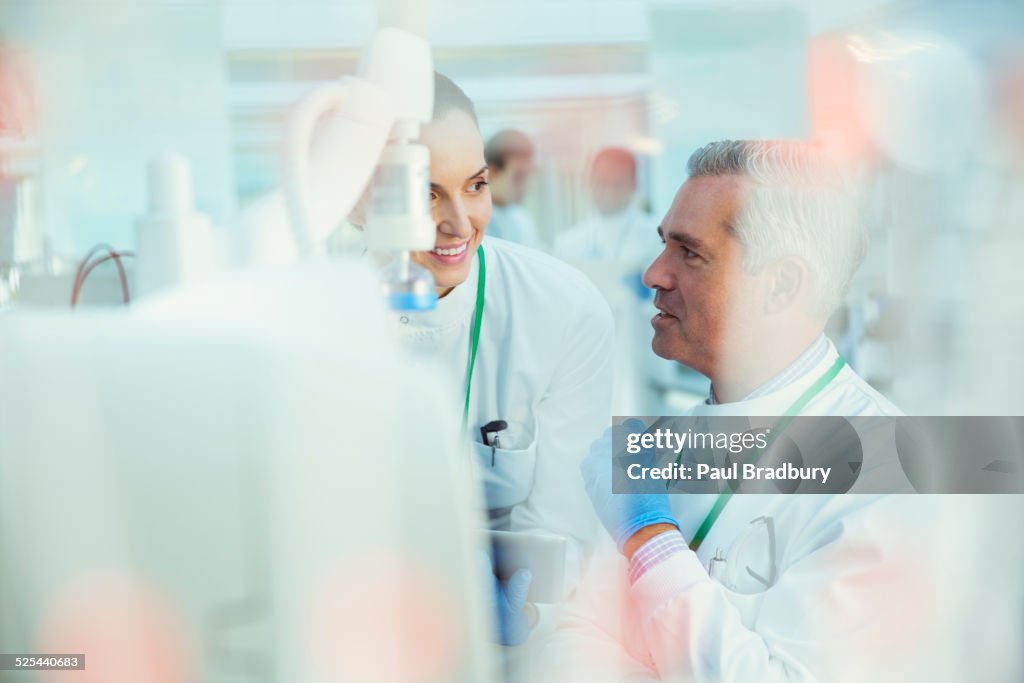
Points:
(474, 338)
(791, 412)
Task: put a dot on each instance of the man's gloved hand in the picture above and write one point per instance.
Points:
(508, 603)
(623, 514)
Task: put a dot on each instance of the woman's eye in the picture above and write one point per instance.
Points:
(478, 185)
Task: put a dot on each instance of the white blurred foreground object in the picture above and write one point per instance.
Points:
(369, 123)
(924, 98)
(192, 491)
(174, 242)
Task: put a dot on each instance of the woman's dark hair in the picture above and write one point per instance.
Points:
(448, 96)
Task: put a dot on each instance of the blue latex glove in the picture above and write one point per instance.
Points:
(622, 514)
(507, 603)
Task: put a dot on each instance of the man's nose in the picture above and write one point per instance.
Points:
(657, 275)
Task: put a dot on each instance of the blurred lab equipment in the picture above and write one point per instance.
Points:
(89, 92)
(115, 85)
(96, 257)
(21, 243)
(373, 120)
(20, 239)
(183, 490)
(200, 466)
(174, 242)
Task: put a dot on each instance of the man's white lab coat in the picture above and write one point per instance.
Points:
(853, 584)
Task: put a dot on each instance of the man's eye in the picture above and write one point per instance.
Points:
(689, 255)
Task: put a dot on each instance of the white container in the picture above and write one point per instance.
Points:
(174, 242)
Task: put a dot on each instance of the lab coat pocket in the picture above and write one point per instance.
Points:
(509, 480)
(749, 564)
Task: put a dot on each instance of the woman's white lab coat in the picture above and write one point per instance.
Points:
(839, 588)
(543, 366)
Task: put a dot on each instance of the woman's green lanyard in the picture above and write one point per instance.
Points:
(474, 337)
(787, 417)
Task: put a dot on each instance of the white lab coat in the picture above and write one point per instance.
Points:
(854, 594)
(513, 223)
(630, 236)
(543, 366)
(614, 251)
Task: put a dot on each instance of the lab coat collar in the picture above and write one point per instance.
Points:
(817, 350)
(775, 402)
(454, 309)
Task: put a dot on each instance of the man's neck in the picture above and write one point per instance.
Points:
(755, 370)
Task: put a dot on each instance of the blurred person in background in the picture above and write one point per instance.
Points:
(614, 247)
(621, 230)
(509, 154)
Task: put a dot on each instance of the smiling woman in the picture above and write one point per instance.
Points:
(459, 197)
(523, 340)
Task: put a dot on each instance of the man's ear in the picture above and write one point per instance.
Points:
(357, 216)
(788, 279)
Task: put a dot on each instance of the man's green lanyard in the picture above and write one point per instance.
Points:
(474, 337)
(787, 417)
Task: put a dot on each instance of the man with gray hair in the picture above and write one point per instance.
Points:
(759, 246)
